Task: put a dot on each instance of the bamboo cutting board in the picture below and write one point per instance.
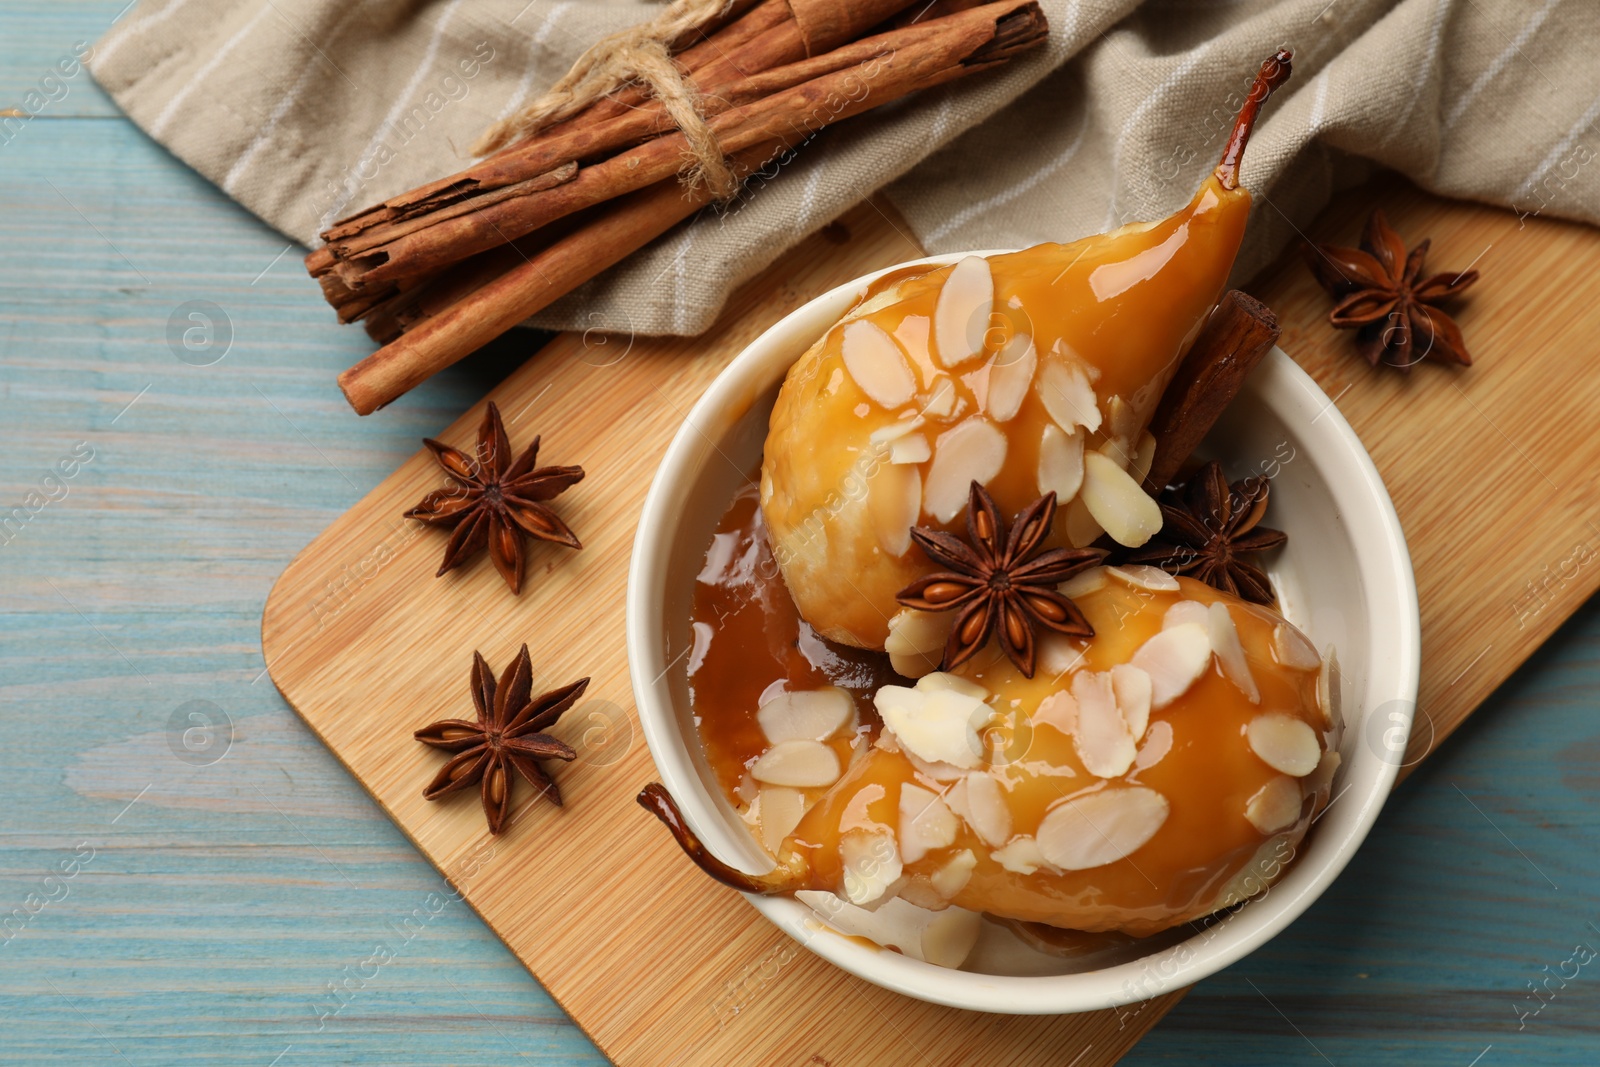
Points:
(662, 967)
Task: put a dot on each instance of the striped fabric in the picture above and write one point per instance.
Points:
(303, 110)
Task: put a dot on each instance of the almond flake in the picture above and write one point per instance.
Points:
(1230, 653)
(876, 302)
(1328, 690)
(1100, 828)
(913, 448)
(1010, 375)
(1157, 743)
(944, 938)
(1186, 611)
(986, 809)
(896, 430)
(877, 364)
(1118, 450)
(806, 714)
(1124, 421)
(916, 640)
(1083, 583)
(954, 875)
(798, 764)
(1067, 354)
(1059, 710)
(1285, 744)
(1294, 649)
(1175, 659)
(1152, 579)
(1021, 856)
(1321, 779)
(916, 889)
(1058, 653)
(1082, 529)
(939, 727)
(972, 451)
(1124, 510)
(942, 681)
(1060, 462)
(961, 313)
(1275, 806)
(1101, 739)
(937, 770)
(781, 810)
(1065, 391)
(949, 938)
(1133, 689)
(925, 823)
(894, 503)
(1144, 455)
(914, 334)
(871, 864)
(941, 402)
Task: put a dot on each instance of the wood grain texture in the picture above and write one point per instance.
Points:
(36, 53)
(1487, 474)
(652, 984)
(222, 902)
(695, 976)
(222, 899)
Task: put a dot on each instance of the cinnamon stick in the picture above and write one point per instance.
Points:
(404, 223)
(400, 311)
(455, 311)
(507, 299)
(773, 34)
(1233, 341)
(854, 79)
(404, 309)
(984, 37)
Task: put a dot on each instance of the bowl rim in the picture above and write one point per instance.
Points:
(1384, 571)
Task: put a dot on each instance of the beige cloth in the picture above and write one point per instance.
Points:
(303, 110)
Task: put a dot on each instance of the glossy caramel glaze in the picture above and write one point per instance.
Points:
(1123, 306)
(750, 644)
(1194, 753)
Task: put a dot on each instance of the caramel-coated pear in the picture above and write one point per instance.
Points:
(1031, 372)
(1153, 774)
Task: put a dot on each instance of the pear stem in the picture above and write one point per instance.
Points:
(655, 799)
(1273, 73)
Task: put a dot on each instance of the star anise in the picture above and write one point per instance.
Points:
(1382, 297)
(496, 502)
(998, 583)
(1205, 525)
(506, 736)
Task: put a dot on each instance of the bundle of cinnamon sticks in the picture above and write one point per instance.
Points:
(439, 271)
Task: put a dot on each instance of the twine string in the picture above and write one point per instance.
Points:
(636, 54)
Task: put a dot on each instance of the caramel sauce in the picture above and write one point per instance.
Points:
(751, 644)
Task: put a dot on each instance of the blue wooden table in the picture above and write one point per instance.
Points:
(185, 871)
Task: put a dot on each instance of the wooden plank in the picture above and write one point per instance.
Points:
(37, 75)
(647, 981)
(222, 899)
(1492, 479)
(695, 975)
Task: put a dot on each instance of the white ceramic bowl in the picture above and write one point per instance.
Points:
(1345, 578)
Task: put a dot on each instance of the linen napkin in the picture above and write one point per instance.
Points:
(305, 110)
